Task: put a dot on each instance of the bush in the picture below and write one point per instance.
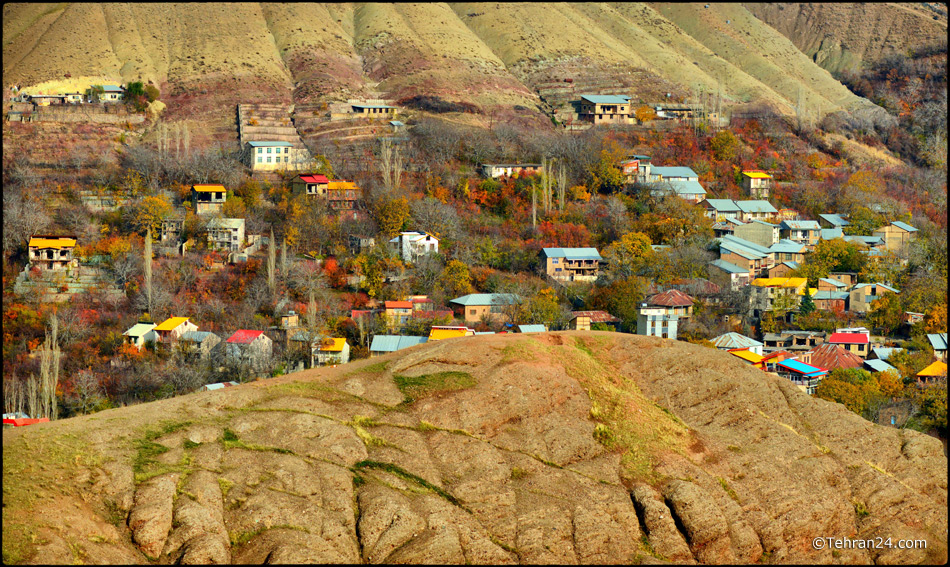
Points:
(435, 104)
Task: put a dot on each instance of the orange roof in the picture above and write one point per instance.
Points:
(747, 355)
(52, 242)
(756, 174)
(208, 188)
(332, 344)
(398, 305)
(171, 323)
(336, 184)
(936, 369)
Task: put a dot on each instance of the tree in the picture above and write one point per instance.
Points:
(605, 174)
(391, 215)
(863, 221)
(807, 304)
(621, 298)
(886, 313)
(725, 146)
(645, 114)
(148, 212)
(147, 262)
(455, 279)
(629, 255)
(390, 163)
(842, 392)
(272, 264)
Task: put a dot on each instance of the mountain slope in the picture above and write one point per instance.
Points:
(560, 447)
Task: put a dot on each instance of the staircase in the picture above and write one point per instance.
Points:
(54, 286)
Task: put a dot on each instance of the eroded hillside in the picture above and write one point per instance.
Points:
(488, 54)
(554, 448)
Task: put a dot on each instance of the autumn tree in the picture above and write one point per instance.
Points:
(645, 114)
(391, 215)
(886, 313)
(621, 298)
(725, 146)
(455, 279)
(605, 175)
(147, 212)
(630, 254)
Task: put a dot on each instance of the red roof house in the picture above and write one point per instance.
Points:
(831, 356)
(250, 347)
(581, 320)
(675, 301)
(244, 337)
(857, 343)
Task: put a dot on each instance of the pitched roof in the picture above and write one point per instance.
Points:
(532, 328)
(786, 246)
(756, 206)
(734, 340)
(596, 316)
(829, 294)
(834, 219)
(747, 355)
(259, 144)
(938, 368)
(849, 338)
(800, 367)
(573, 253)
(217, 222)
(681, 186)
(723, 205)
(756, 174)
(171, 323)
(728, 267)
(800, 225)
(244, 336)
(440, 333)
(208, 188)
(673, 171)
(883, 353)
(398, 305)
(938, 340)
(877, 365)
(830, 233)
(52, 242)
(487, 299)
(750, 246)
(313, 178)
(332, 344)
(606, 99)
(392, 343)
(833, 282)
(904, 226)
(671, 298)
(139, 329)
(779, 282)
(197, 336)
(831, 356)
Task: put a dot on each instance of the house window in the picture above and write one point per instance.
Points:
(286, 150)
(471, 312)
(268, 150)
(268, 159)
(259, 158)
(260, 150)
(285, 159)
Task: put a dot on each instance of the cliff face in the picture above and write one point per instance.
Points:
(842, 37)
(209, 56)
(567, 447)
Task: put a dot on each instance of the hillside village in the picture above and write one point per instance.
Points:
(268, 261)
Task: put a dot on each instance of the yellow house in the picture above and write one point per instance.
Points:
(276, 155)
(933, 373)
(757, 184)
(449, 332)
(172, 328)
(896, 235)
(51, 252)
(208, 198)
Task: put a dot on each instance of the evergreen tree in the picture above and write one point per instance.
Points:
(808, 304)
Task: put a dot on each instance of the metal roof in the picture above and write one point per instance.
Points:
(848, 338)
(834, 219)
(606, 99)
(828, 294)
(747, 355)
(831, 233)
(800, 225)
(139, 329)
(756, 206)
(729, 267)
(734, 340)
(938, 368)
(208, 188)
(680, 186)
(532, 328)
(879, 366)
(354, 105)
(396, 123)
(596, 316)
(313, 178)
(798, 366)
(833, 282)
(883, 353)
(671, 298)
(673, 171)
(756, 174)
(244, 336)
(264, 144)
(723, 205)
(787, 247)
(171, 323)
(573, 253)
(487, 299)
(392, 343)
(938, 340)
(52, 242)
(197, 336)
(225, 223)
(904, 226)
(831, 356)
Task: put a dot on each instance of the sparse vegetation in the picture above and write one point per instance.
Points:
(418, 387)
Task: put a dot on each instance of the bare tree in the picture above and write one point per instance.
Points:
(22, 218)
(390, 163)
(49, 372)
(86, 393)
(147, 262)
(272, 264)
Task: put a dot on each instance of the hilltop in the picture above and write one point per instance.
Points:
(560, 447)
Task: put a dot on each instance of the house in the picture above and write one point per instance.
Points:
(208, 199)
(636, 168)
(171, 329)
(764, 292)
(477, 306)
(786, 214)
(48, 252)
(847, 278)
(871, 242)
(858, 343)
(755, 210)
(756, 360)
(198, 345)
(385, 344)
(831, 356)
(883, 353)
(677, 112)
(671, 173)
(16, 420)
(343, 197)
(139, 334)
(572, 264)
(411, 245)
(725, 227)
(830, 233)
(582, 320)
(827, 300)
(745, 254)
(496, 170)
(532, 329)
(172, 229)
(788, 251)
(606, 109)
(863, 295)
(111, 93)
(912, 318)
(728, 275)
(358, 244)
(831, 284)
(896, 235)
(330, 351)
(793, 340)
(757, 184)
(783, 270)
(656, 322)
(939, 343)
(218, 386)
(675, 302)
(275, 155)
(289, 323)
(756, 231)
(832, 221)
(689, 190)
(936, 372)
(398, 313)
(720, 209)
(801, 231)
(374, 110)
(310, 184)
(771, 359)
(805, 376)
(225, 234)
(729, 341)
(250, 347)
(441, 332)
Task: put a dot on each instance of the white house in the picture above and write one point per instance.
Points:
(248, 346)
(140, 333)
(226, 234)
(274, 155)
(411, 245)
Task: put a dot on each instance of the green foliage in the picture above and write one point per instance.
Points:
(863, 221)
(725, 146)
(151, 93)
(808, 304)
(605, 174)
(405, 475)
(621, 298)
(455, 279)
(627, 256)
(932, 402)
(886, 313)
(418, 387)
(391, 216)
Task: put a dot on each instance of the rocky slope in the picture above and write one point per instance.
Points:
(568, 447)
(207, 57)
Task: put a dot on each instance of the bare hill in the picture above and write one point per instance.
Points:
(567, 447)
(841, 36)
(207, 57)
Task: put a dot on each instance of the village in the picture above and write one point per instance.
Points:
(766, 270)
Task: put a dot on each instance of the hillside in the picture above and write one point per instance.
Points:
(842, 37)
(490, 55)
(561, 447)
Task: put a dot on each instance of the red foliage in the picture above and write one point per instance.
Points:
(563, 235)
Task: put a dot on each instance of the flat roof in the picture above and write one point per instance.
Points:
(257, 144)
(606, 99)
